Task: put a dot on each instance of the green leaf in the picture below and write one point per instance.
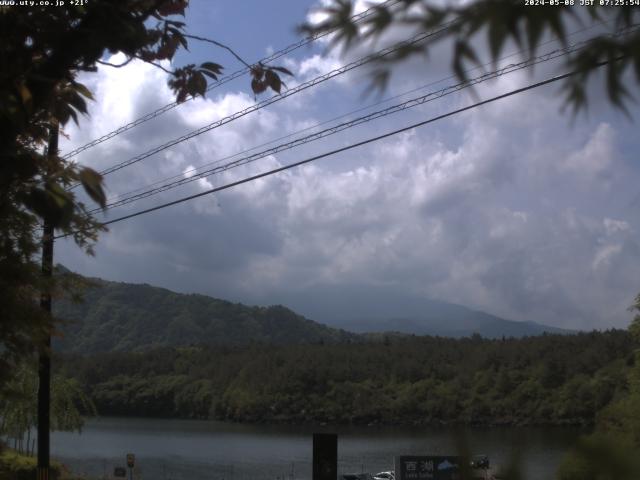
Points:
(534, 31)
(83, 90)
(462, 51)
(379, 82)
(209, 74)
(257, 72)
(575, 95)
(36, 201)
(172, 7)
(557, 27)
(92, 183)
(615, 88)
(283, 70)
(497, 35)
(200, 83)
(183, 41)
(67, 112)
(77, 102)
(273, 80)
(258, 86)
(212, 67)
(59, 195)
(379, 22)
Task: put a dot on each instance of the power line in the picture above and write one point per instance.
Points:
(196, 175)
(181, 180)
(226, 79)
(276, 98)
(343, 149)
(414, 102)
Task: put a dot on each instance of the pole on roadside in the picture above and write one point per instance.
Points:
(44, 359)
(325, 456)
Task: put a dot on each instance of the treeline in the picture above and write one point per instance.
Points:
(550, 379)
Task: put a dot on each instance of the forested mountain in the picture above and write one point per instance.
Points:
(550, 379)
(117, 316)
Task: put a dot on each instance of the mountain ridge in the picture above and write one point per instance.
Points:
(384, 308)
(120, 316)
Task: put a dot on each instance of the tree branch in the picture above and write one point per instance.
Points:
(218, 44)
(126, 62)
(157, 65)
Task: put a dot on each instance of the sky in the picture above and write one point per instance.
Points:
(516, 208)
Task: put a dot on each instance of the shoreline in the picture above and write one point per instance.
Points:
(271, 422)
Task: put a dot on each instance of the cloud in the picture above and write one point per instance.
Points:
(507, 208)
(614, 226)
(594, 160)
(604, 255)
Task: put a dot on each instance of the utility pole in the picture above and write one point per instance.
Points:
(44, 360)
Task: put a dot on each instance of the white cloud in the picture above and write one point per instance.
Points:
(496, 209)
(614, 226)
(596, 157)
(318, 65)
(189, 171)
(604, 255)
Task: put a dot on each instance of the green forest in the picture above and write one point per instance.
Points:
(549, 379)
(116, 316)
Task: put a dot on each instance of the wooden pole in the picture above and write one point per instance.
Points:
(44, 361)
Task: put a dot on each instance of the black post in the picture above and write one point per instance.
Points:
(44, 363)
(325, 456)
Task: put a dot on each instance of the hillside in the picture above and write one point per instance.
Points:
(117, 316)
(124, 317)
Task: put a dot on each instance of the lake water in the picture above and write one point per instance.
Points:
(207, 450)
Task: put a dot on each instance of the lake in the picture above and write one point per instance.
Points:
(203, 450)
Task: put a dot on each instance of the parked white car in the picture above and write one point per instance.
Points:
(384, 476)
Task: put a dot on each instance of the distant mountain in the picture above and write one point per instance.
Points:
(379, 309)
(118, 316)
(125, 317)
